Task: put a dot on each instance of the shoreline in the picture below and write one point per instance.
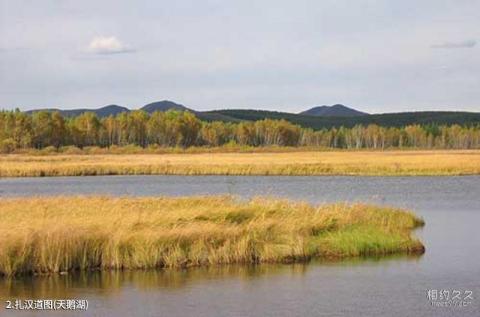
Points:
(290, 163)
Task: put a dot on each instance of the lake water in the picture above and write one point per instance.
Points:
(393, 286)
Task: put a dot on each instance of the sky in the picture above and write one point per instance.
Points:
(372, 55)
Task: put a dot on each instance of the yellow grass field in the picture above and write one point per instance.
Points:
(434, 162)
(59, 234)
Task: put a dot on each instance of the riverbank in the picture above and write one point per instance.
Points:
(61, 234)
(375, 163)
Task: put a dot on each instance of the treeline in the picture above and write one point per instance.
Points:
(39, 130)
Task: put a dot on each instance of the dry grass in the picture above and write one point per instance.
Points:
(44, 235)
(436, 162)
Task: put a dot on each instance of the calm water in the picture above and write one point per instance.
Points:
(394, 286)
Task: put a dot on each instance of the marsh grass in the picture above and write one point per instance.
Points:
(58, 234)
(388, 163)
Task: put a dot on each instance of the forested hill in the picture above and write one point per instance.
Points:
(316, 118)
(333, 111)
(385, 120)
(164, 105)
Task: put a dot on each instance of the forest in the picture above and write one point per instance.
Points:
(39, 130)
(399, 119)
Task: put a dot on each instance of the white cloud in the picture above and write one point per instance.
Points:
(107, 45)
(463, 44)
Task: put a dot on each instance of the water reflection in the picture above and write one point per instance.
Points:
(105, 283)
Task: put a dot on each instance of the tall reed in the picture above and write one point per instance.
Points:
(275, 163)
(56, 234)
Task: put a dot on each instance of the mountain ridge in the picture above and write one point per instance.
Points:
(164, 105)
(336, 110)
(104, 111)
(306, 119)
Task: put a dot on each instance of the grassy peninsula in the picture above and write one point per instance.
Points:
(277, 161)
(59, 234)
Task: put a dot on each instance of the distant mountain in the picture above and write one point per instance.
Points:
(164, 105)
(110, 110)
(115, 109)
(101, 112)
(316, 118)
(333, 111)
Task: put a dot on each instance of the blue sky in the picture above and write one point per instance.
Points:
(376, 56)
